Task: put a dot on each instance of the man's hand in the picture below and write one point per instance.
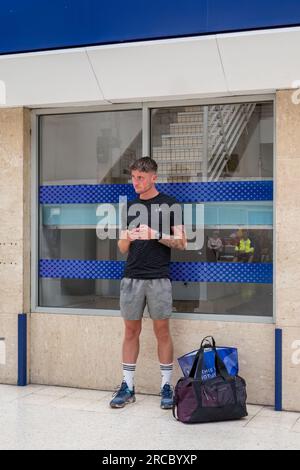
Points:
(143, 232)
(126, 237)
(178, 240)
(129, 235)
(133, 234)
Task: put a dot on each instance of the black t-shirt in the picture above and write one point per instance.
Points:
(149, 259)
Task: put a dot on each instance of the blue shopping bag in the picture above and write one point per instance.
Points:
(228, 355)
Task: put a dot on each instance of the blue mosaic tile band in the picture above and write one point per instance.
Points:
(183, 192)
(254, 273)
(81, 269)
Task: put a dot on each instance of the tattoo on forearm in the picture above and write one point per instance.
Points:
(178, 244)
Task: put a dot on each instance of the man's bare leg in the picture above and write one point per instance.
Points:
(164, 341)
(165, 355)
(131, 342)
(130, 352)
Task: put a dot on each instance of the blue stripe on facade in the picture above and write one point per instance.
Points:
(184, 192)
(254, 273)
(278, 369)
(22, 349)
(34, 25)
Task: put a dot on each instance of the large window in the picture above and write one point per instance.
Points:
(80, 154)
(219, 157)
(222, 156)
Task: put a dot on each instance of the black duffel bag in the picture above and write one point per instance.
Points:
(221, 398)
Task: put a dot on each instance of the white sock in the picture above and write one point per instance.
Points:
(128, 374)
(166, 373)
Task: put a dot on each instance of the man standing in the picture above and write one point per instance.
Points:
(146, 277)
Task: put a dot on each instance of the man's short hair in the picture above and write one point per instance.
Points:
(145, 164)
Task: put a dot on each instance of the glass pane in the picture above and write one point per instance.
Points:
(79, 150)
(198, 144)
(89, 148)
(218, 145)
(213, 143)
(223, 299)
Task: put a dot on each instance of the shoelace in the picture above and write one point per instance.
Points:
(119, 389)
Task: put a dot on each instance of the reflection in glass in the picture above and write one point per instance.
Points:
(231, 142)
(89, 148)
(76, 149)
(213, 143)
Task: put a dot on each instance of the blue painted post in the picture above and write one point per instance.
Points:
(22, 349)
(278, 370)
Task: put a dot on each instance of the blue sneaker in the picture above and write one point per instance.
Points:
(122, 396)
(167, 397)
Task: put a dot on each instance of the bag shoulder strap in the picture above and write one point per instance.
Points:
(174, 411)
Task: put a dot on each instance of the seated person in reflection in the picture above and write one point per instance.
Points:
(215, 244)
(244, 251)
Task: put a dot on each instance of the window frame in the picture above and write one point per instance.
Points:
(146, 150)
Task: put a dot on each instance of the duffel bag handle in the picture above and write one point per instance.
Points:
(210, 342)
(207, 343)
(196, 370)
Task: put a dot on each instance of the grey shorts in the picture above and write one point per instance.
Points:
(135, 293)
